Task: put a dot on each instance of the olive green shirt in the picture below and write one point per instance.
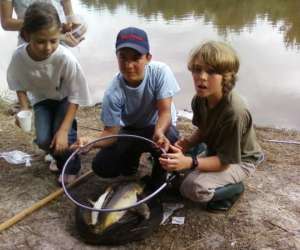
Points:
(227, 129)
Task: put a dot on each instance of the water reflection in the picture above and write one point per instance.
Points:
(227, 16)
(266, 35)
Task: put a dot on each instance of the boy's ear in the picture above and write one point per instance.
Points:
(24, 35)
(149, 57)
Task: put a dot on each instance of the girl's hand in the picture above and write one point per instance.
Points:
(161, 140)
(71, 40)
(66, 27)
(60, 141)
(182, 144)
(176, 160)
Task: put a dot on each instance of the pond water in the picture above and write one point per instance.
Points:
(266, 35)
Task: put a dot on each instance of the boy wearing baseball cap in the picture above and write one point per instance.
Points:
(138, 101)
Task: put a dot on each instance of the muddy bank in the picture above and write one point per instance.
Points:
(266, 217)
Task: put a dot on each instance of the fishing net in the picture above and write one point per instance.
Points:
(132, 225)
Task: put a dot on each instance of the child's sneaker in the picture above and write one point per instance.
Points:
(222, 205)
(48, 158)
(225, 197)
(53, 167)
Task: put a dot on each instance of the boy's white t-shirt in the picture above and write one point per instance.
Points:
(55, 78)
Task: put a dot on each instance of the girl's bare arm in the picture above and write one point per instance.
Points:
(23, 99)
(7, 21)
(67, 6)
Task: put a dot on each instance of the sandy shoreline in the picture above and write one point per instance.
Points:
(267, 216)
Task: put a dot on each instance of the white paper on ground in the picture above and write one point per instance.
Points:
(178, 220)
(169, 209)
(17, 157)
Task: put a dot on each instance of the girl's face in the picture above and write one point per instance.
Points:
(132, 65)
(43, 43)
(208, 83)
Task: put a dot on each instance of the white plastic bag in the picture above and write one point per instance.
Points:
(17, 157)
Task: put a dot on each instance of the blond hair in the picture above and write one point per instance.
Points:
(221, 58)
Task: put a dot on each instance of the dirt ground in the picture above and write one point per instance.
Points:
(266, 217)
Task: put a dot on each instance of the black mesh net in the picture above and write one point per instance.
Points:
(132, 225)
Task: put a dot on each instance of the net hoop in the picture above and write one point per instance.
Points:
(147, 198)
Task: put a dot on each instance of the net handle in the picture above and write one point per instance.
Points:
(170, 177)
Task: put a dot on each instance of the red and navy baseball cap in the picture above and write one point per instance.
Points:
(133, 38)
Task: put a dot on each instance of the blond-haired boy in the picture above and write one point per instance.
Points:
(224, 124)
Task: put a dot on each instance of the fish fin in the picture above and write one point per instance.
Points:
(99, 204)
(107, 190)
(109, 195)
(103, 197)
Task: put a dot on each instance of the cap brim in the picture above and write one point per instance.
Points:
(136, 47)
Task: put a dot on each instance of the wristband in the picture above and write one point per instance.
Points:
(194, 162)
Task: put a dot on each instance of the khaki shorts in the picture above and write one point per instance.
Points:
(200, 186)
